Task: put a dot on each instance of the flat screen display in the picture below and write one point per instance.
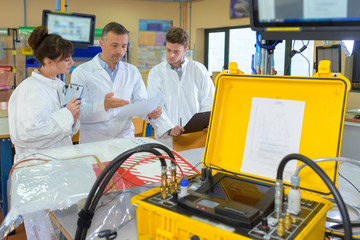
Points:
(237, 190)
(76, 27)
(323, 12)
(316, 17)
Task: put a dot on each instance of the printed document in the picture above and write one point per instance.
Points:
(139, 108)
(274, 131)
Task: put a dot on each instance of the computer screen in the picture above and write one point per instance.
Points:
(332, 53)
(306, 19)
(76, 27)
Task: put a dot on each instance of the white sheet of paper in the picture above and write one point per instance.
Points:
(274, 131)
(139, 108)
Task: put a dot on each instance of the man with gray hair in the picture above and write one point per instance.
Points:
(109, 83)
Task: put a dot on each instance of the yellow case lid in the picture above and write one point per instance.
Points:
(324, 101)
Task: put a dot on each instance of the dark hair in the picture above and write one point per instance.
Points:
(177, 35)
(50, 46)
(115, 27)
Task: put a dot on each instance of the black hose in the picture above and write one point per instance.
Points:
(328, 182)
(79, 231)
(162, 147)
(111, 174)
(106, 175)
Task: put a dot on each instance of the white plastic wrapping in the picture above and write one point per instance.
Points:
(114, 214)
(52, 184)
(55, 183)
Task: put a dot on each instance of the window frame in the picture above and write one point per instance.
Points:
(288, 47)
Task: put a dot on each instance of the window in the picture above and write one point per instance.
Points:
(242, 46)
(301, 63)
(216, 51)
(237, 44)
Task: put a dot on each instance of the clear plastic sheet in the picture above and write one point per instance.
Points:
(54, 184)
(114, 215)
(47, 184)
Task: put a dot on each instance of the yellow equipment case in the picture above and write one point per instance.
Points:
(318, 105)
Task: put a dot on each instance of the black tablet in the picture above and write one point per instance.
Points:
(198, 122)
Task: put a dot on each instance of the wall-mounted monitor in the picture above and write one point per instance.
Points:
(306, 19)
(78, 28)
(332, 53)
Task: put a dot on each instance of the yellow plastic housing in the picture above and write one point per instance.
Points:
(322, 128)
(154, 222)
(325, 100)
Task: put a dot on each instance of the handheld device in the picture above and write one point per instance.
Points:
(198, 122)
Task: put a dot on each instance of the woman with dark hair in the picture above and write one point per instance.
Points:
(37, 116)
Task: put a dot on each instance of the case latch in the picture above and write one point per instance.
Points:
(233, 69)
(324, 69)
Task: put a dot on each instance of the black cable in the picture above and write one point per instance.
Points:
(94, 200)
(293, 52)
(124, 156)
(86, 214)
(160, 146)
(328, 182)
(350, 183)
(105, 172)
(330, 233)
(110, 175)
(111, 171)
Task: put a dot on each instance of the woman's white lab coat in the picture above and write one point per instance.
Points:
(37, 118)
(181, 98)
(96, 123)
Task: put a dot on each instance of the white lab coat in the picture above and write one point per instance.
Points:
(37, 118)
(96, 123)
(181, 98)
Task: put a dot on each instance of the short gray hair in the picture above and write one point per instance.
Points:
(114, 27)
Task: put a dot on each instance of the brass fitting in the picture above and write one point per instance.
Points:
(294, 219)
(280, 229)
(287, 221)
(164, 190)
(173, 185)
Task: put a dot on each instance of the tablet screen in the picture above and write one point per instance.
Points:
(198, 122)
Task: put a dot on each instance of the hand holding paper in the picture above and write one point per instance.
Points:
(139, 108)
(156, 113)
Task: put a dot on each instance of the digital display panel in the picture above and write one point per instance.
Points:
(76, 27)
(72, 28)
(237, 190)
(314, 19)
